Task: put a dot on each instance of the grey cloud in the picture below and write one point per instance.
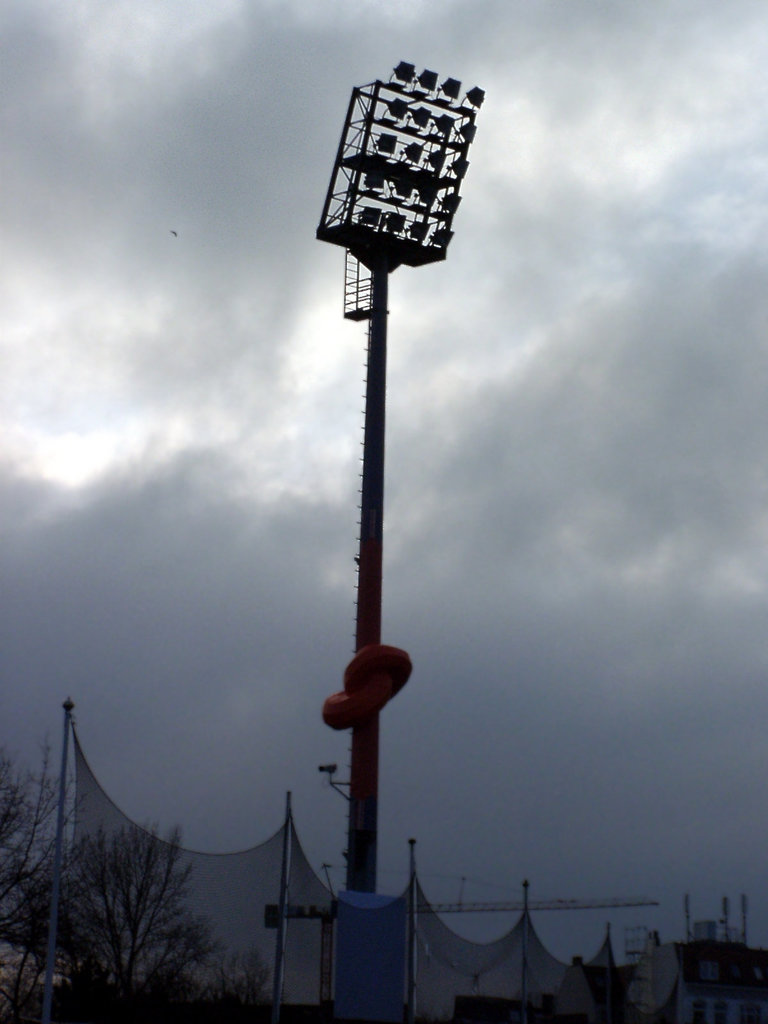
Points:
(576, 472)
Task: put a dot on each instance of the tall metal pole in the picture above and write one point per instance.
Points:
(411, 1004)
(282, 920)
(393, 193)
(53, 920)
(608, 992)
(524, 984)
(364, 766)
(744, 918)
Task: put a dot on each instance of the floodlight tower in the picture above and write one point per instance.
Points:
(393, 194)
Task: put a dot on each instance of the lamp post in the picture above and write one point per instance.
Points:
(392, 198)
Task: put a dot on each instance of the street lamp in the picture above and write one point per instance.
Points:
(330, 771)
(392, 197)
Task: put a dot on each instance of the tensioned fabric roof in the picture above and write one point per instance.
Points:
(232, 890)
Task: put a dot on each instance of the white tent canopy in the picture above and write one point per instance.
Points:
(233, 889)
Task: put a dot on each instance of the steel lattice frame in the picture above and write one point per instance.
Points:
(399, 167)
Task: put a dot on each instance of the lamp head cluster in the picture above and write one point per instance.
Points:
(401, 160)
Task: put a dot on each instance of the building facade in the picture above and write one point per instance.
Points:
(701, 982)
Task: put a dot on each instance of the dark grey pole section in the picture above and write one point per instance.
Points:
(412, 895)
(608, 993)
(53, 919)
(282, 920)
(524, 984)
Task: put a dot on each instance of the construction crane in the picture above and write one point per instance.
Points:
(526, 906)
(475, 908)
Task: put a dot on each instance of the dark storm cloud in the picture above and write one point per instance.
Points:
(160, 595)
(576, 471)
(596, 631)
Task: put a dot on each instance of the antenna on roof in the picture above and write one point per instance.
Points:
(687, 908)
(724, 921)
(744, 918)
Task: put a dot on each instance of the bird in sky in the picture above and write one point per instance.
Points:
(174, 233)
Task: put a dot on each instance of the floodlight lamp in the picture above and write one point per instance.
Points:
(413, 152)
(428, 80)
(436, 159)
(468, 132)
(374, 180)
(476, 96)
(444, 123)
(459, 167)
(420, 117)
(451, 87)
(450, 203)
(427, 193)
(398, 108)
(395, 222)
(402, 187)
(386, 143)
(370, 216)
(442, 237)
(405, 72)
(418, 230)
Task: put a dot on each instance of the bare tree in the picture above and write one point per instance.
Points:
(242, 978)
(27, 835)
(127, 912)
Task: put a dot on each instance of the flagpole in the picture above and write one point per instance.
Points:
(53, 920)
(279, 972)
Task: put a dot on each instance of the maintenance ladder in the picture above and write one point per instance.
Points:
(358, 289)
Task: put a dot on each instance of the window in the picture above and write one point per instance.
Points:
(699, 1012)
(758, 972)
(708, 970)
(721, 1013)
(750, 1013)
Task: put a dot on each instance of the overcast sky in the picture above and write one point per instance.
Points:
(576, 518)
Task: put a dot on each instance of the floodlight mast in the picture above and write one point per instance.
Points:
(393, 194)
